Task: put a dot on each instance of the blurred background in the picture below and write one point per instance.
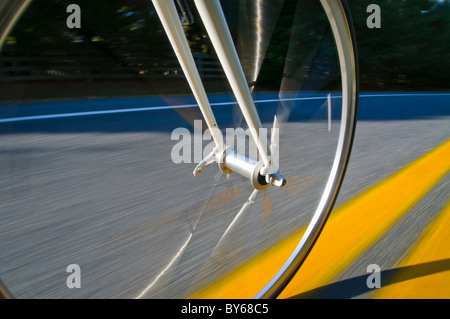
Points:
(121, 50)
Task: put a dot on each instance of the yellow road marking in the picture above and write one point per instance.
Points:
(357, 225)
(351, 229)
(426, 272)
(250, 278)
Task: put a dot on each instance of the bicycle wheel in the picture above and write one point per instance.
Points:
(301, 79)
(94, 182)
(338, 15)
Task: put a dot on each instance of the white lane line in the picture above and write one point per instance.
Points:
(172, 107)
(76, 114)
(138, 109)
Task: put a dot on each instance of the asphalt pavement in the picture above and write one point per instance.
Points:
(91, 182)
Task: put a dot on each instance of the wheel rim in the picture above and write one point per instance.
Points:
(347, 53)
(337, 13)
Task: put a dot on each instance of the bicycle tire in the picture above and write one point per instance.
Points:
(338, 14)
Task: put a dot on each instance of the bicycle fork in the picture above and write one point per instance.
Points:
(261, 173)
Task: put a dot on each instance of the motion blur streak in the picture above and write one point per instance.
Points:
(177, 255)
(411, 282)
(360, 223)
(262, 17)
(352, 228)
(242, 211)
(259, 54)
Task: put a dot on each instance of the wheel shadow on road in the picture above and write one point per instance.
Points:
(356, 286)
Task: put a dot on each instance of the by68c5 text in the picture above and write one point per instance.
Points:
(246, 308)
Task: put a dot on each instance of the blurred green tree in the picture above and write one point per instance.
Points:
(411, 49)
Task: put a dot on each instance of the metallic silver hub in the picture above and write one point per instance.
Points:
(232, 161)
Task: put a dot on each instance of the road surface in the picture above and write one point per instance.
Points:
(92, 182)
